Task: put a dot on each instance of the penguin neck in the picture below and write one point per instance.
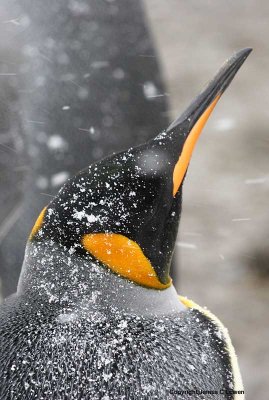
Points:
(55, 275)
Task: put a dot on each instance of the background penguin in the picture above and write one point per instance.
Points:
(95, 314)
(87, 83)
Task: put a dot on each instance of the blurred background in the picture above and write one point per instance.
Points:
(222, 252)
(224, 231)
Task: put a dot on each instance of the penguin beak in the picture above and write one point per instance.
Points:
(196, 115)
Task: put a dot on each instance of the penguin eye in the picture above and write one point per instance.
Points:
(124, 257)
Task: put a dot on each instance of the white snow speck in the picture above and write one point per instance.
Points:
(59, 178)
(42, 182)
(78, 8)
(150, 90)
(107, 377)
(82, 214)
(186, 245)
(231, 385)
(79, 215)
(91, 218)
(56, 142)
(118, 73)
(204, 358)
(15, 21)
(65, 108)
(191, 367)
(123, 324)
(224, 124)
(256, 181)
(219, 334)
(63, 318)
(240, 219)
(161, 135)
(99, 64)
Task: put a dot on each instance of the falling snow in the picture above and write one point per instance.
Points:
(59, 178)
(56, 142)
(150, 90)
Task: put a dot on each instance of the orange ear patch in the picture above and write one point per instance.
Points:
(38, 223)
(124, 257)
(185, 156)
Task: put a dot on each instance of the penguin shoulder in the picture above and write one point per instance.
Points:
(222, 342)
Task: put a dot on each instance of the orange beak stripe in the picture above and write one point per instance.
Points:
(38, 223)
(185, 156)
(124, 257)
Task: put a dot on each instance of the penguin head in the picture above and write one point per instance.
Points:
(124, 210)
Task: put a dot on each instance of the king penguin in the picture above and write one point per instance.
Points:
(96, 315)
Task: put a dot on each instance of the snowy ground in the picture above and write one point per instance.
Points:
(224, 259)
